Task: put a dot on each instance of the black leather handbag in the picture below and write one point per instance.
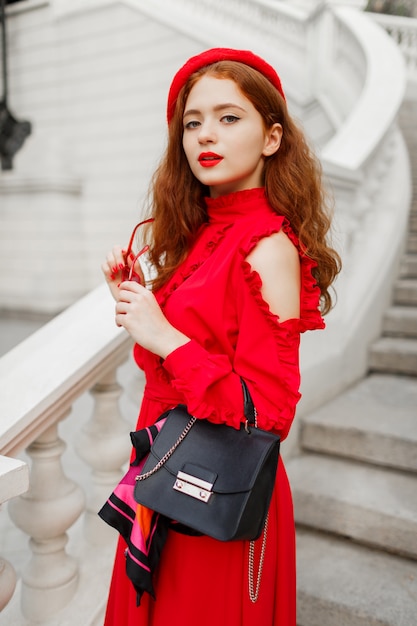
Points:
(213, 478)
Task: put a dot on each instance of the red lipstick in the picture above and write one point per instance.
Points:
(209, 159)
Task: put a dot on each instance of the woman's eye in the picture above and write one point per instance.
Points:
(192, 124)
(230, 119)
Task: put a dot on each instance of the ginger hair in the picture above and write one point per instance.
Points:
(292, 181)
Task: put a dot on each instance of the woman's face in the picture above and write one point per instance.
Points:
(224, 137)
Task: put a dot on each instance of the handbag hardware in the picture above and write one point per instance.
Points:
(254, 592)
(193, 486)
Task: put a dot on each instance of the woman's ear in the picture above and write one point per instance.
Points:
(272, 139)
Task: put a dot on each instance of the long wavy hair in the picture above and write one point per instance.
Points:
(291, 177)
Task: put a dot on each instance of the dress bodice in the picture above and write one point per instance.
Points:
(215, 299)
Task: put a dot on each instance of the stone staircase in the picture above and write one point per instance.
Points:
(355, 481)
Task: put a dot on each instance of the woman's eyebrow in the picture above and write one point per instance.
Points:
(218, 107)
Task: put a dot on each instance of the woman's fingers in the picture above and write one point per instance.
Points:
(114, 270)
(138, 311)
(114, 264)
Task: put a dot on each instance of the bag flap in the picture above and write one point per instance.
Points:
(233, 456)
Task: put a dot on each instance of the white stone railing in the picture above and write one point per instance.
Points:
(403, 30)
(359, 153)
(77, 351)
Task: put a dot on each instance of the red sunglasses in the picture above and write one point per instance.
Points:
(128, 273)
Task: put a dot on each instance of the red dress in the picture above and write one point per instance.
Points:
(215, 299)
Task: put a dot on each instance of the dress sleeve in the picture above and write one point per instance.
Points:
(266, 356)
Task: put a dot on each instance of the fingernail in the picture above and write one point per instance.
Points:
(131, 256)
(114, 269)
(121, 266)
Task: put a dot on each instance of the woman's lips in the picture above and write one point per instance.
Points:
(209, 159)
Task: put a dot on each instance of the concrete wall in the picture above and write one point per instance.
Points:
(94, 86)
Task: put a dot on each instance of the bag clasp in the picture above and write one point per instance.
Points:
(193, 486)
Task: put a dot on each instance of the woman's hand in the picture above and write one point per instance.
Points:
(140, 314)
(114, 270)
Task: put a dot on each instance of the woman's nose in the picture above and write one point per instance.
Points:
(206, 133)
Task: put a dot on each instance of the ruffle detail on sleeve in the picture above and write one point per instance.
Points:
(191, 265)
(310, 316)
(194, 371)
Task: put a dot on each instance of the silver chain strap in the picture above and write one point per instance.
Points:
(254, 593)
(170, 452)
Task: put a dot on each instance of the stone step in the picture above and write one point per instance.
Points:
(400, 321)
(372, 505)
(396, 355)
(412, 243)
(375, 421)
(408, 266)
(342, 584)
(405, 291)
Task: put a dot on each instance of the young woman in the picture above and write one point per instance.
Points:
(242, 267)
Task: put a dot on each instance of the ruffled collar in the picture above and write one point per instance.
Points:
(239, 204)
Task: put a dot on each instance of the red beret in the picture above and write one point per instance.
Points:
(213, 56)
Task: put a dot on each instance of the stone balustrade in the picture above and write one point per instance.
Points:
(403, 31)
(77, 351)
(362, 61)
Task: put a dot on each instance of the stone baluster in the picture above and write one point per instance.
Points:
(7, 582)
(104, 445)
(45, 512)
(14, 480)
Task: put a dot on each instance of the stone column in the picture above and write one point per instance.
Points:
(14, 480)
(52, 504)
(104, 444)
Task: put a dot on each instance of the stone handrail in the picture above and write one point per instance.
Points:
(42, 377)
